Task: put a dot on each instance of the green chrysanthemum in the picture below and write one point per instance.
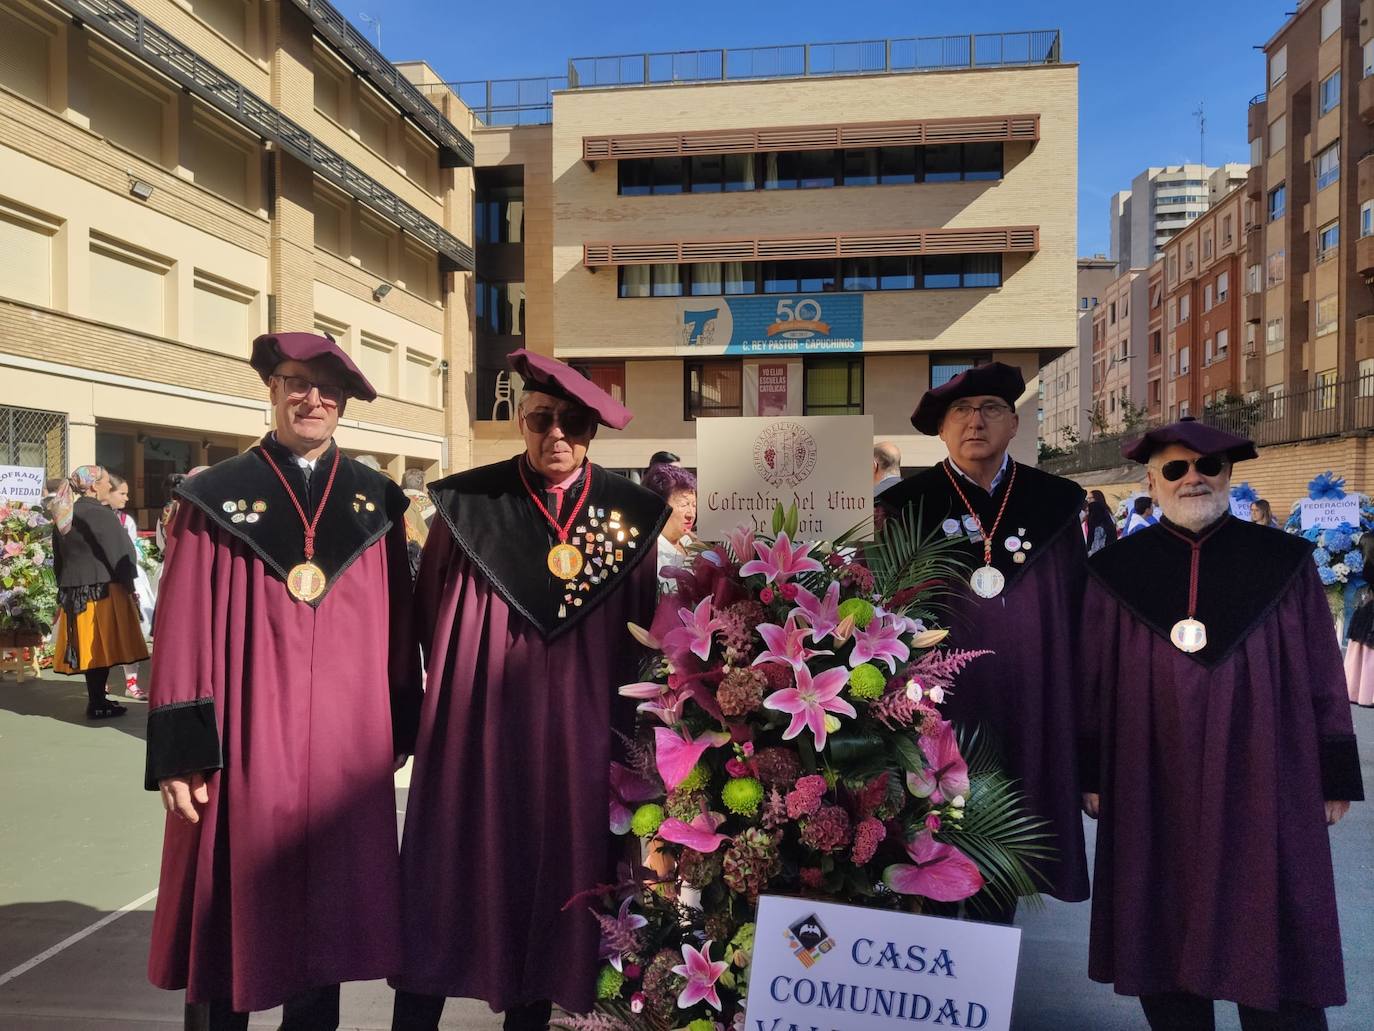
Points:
(866, 682)
(609, 983)
(698, 778)
(744, 938)
(646, 820)
(742, 795)
(861, 610)
(701, 1024)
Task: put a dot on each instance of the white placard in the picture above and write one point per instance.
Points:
(1330, 512)
(822, 965)
(821, 463)
(21, 483)
(1240, 507)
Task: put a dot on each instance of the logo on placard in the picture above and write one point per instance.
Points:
(808, 940)
(799, 320)
(784, 454)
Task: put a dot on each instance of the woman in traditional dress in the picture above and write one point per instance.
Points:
(1101, 528)
(1359, 649)
(95, 564)
(117, 500)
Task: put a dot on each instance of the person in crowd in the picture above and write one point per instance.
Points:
(370, 462)
(663, 458)
(531, 572)
(1101, 526)
(1359, 647)
(170, 483)
(96, 567)
(1142, 515)
(1218, 749)
(1016, 526)
(117, 499)
(51, 486)
(285, 692)
(678, 487)
(1261, 513)
(887, 466)
(419, 514)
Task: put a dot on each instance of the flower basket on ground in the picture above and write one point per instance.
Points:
(28, 589)
(790, 741)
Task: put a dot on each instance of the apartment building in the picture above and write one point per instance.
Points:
(1119, 354)
(1065, 396)
(1160, 203)
(178, 176)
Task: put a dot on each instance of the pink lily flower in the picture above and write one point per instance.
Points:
(659, 700)
(616, 932)
(882, 640)
(699, 835)
(675, 754)
(741, 541)
(785, 644)
(937, 871)
(628, 789)
(701, 974)
(696, 631)
(822, 614)
(946, 772)
(781, 562)
(810, 700)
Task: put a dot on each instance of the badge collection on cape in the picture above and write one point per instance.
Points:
(306, 581)
(987, 581)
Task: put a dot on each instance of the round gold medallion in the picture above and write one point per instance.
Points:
(306, 581)
(565, 561)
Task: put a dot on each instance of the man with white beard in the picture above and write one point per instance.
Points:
(1217, 749)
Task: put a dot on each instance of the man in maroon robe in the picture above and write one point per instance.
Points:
(1017, 527)
(285, 685)
(531, 571)
(1219, 748)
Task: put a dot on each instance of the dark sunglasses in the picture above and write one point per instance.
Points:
(1207, 465)
(574, 422)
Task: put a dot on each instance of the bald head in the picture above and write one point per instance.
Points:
(887, 461)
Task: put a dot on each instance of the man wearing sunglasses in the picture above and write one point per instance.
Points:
(1218, 749)
(1017, 529)
(285, 687)
(530, 573)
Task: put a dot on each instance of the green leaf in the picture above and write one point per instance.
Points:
(778, 516)
(790, 523)
(908, 754)
(902, 557)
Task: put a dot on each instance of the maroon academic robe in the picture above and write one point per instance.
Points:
(1213, 867)
(1027, 693)
(508, 813)
(290, 879)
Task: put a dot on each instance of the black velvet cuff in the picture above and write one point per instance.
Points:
(1340, 763)
(1089, 765)
(405, 720)
(182, 738)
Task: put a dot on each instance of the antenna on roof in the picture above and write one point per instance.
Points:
(1201, 117)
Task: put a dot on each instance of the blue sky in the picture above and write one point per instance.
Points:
(1144, 67)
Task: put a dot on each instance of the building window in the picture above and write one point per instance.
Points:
(1328, 165)
(1365, 372)
(665, 280)
(1223, 287)
(833, 386)
(1155, 343)
(1173, 313)
(1184, 307)
(1207, 246)
(897, 272)
(1278, 134)
(1331, 17)
(1369, 59)
(1330, 92)
(1111, 313)
(1273, 336)
(1225, 230)
(1207, 297)
(1207, 355)
(1326, 390)
(221, 313)
(1223, 343)
(712, 389)
(1367, 218)
(128, 285)
(1274, 268)
(609, 376)
(1188, 258)
(1327, 314)
(422, 378)
(1252, 280)
(1278, 66)
(500, 308)
(26, 252)
(1183, 355)
(944, 369)
(1275, 395)
(377, 360)
(499, 214)
(1278, 202)
(1328, 240)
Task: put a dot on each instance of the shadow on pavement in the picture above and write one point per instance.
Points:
(57, 697)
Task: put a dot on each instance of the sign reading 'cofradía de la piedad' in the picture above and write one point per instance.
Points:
(820, 463)
(818, 966)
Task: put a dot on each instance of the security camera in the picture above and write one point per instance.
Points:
(443, 365)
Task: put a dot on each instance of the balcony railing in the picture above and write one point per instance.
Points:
(510, 101)
(862, 57)
(1318, 412)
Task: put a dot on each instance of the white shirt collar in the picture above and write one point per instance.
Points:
(300, 460)
(1006, 461)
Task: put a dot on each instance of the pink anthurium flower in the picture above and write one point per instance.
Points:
(698, 627)
(821, 614)
(699, 835)
(938, 871)
(781, 562)
(810, 700)
(628, 789)
(881, 640)
(785, 644)
(946, 775)
(675, 754)
(701, 974)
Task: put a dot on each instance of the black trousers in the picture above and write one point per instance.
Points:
(414, 1012)
(313, 1010)
(1179, 1011)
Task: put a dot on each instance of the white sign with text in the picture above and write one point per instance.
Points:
(820, 463)
(21, 483)
(820, 966)
(1330, 512)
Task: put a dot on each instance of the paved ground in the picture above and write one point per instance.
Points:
(80, 842)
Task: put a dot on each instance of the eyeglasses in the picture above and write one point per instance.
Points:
(298, 389)
(574, 422)
(991, 411)
(1207, 465)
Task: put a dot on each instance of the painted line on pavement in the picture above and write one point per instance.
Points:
(65, 943)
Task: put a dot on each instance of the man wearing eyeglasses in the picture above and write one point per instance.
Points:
(531, 571)
(1218, 749)
(1017, 529)
(285, 689)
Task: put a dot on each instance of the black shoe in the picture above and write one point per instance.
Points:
(106, 710)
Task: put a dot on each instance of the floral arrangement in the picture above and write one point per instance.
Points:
(790, 740)
(1340, 562)
(28, 589)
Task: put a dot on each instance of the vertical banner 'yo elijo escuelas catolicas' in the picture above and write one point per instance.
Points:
(772, 324)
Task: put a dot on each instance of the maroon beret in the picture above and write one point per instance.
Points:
(995, 379)
(1205, 440)
(271, 349)
(558, 379)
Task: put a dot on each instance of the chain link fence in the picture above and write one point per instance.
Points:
(35, 438)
